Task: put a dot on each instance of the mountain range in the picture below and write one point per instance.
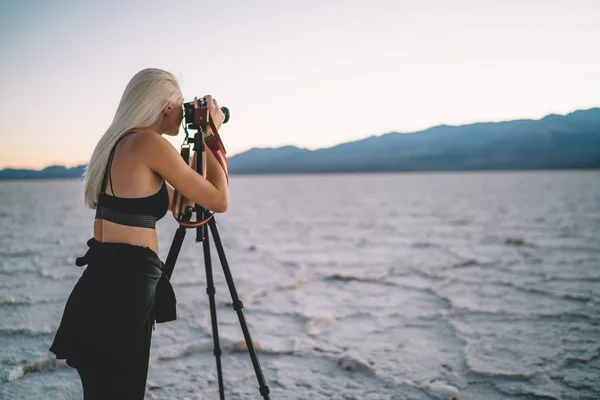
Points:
(569, 141)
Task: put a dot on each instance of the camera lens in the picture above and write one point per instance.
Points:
(226, 112)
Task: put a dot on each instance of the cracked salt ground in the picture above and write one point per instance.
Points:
(369, 286)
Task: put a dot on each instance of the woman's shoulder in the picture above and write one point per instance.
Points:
(154, 148)
(150, 141)
(144, 141)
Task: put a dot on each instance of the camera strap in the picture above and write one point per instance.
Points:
(215, 144)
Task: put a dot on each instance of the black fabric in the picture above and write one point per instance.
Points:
(124, 218)
(165, 302)
(154, 206)
(124, 381)
(112, 308)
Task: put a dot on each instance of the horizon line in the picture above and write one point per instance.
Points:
(76, 165)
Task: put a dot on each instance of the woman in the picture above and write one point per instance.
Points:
(107, 324)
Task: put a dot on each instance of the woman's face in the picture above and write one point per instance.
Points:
(172, 117)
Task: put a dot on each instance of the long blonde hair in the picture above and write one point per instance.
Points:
(142, 103)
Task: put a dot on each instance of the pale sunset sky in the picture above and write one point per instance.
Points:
(306, 73)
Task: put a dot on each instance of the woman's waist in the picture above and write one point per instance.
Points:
(120, 257)
(110, 232)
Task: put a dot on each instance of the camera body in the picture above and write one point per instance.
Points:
(197, 116)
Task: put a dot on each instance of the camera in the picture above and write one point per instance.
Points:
(195, 117)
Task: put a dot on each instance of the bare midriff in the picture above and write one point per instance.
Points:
(106, 231)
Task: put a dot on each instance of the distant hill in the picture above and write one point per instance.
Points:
(51, 172)
(553, 142)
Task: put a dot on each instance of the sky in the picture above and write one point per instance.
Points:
(311, 74)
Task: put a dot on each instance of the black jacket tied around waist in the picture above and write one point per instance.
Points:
(122, 290)
(164, 301)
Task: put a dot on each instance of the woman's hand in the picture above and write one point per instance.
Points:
(216, 114)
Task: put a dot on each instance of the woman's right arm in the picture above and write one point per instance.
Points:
(210, 192)
(214, 171)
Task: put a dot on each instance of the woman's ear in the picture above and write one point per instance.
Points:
(168, 110)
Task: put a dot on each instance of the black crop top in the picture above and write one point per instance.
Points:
(132, 211)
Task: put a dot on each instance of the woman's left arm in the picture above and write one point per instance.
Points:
(171, 189)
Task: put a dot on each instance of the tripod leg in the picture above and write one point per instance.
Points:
(210, 290)
(238, 306)
(174, 251)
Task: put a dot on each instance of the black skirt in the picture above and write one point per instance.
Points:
(110, 313)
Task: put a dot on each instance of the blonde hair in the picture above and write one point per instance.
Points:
(142, 103)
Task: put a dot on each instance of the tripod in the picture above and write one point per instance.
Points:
(205, 218)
